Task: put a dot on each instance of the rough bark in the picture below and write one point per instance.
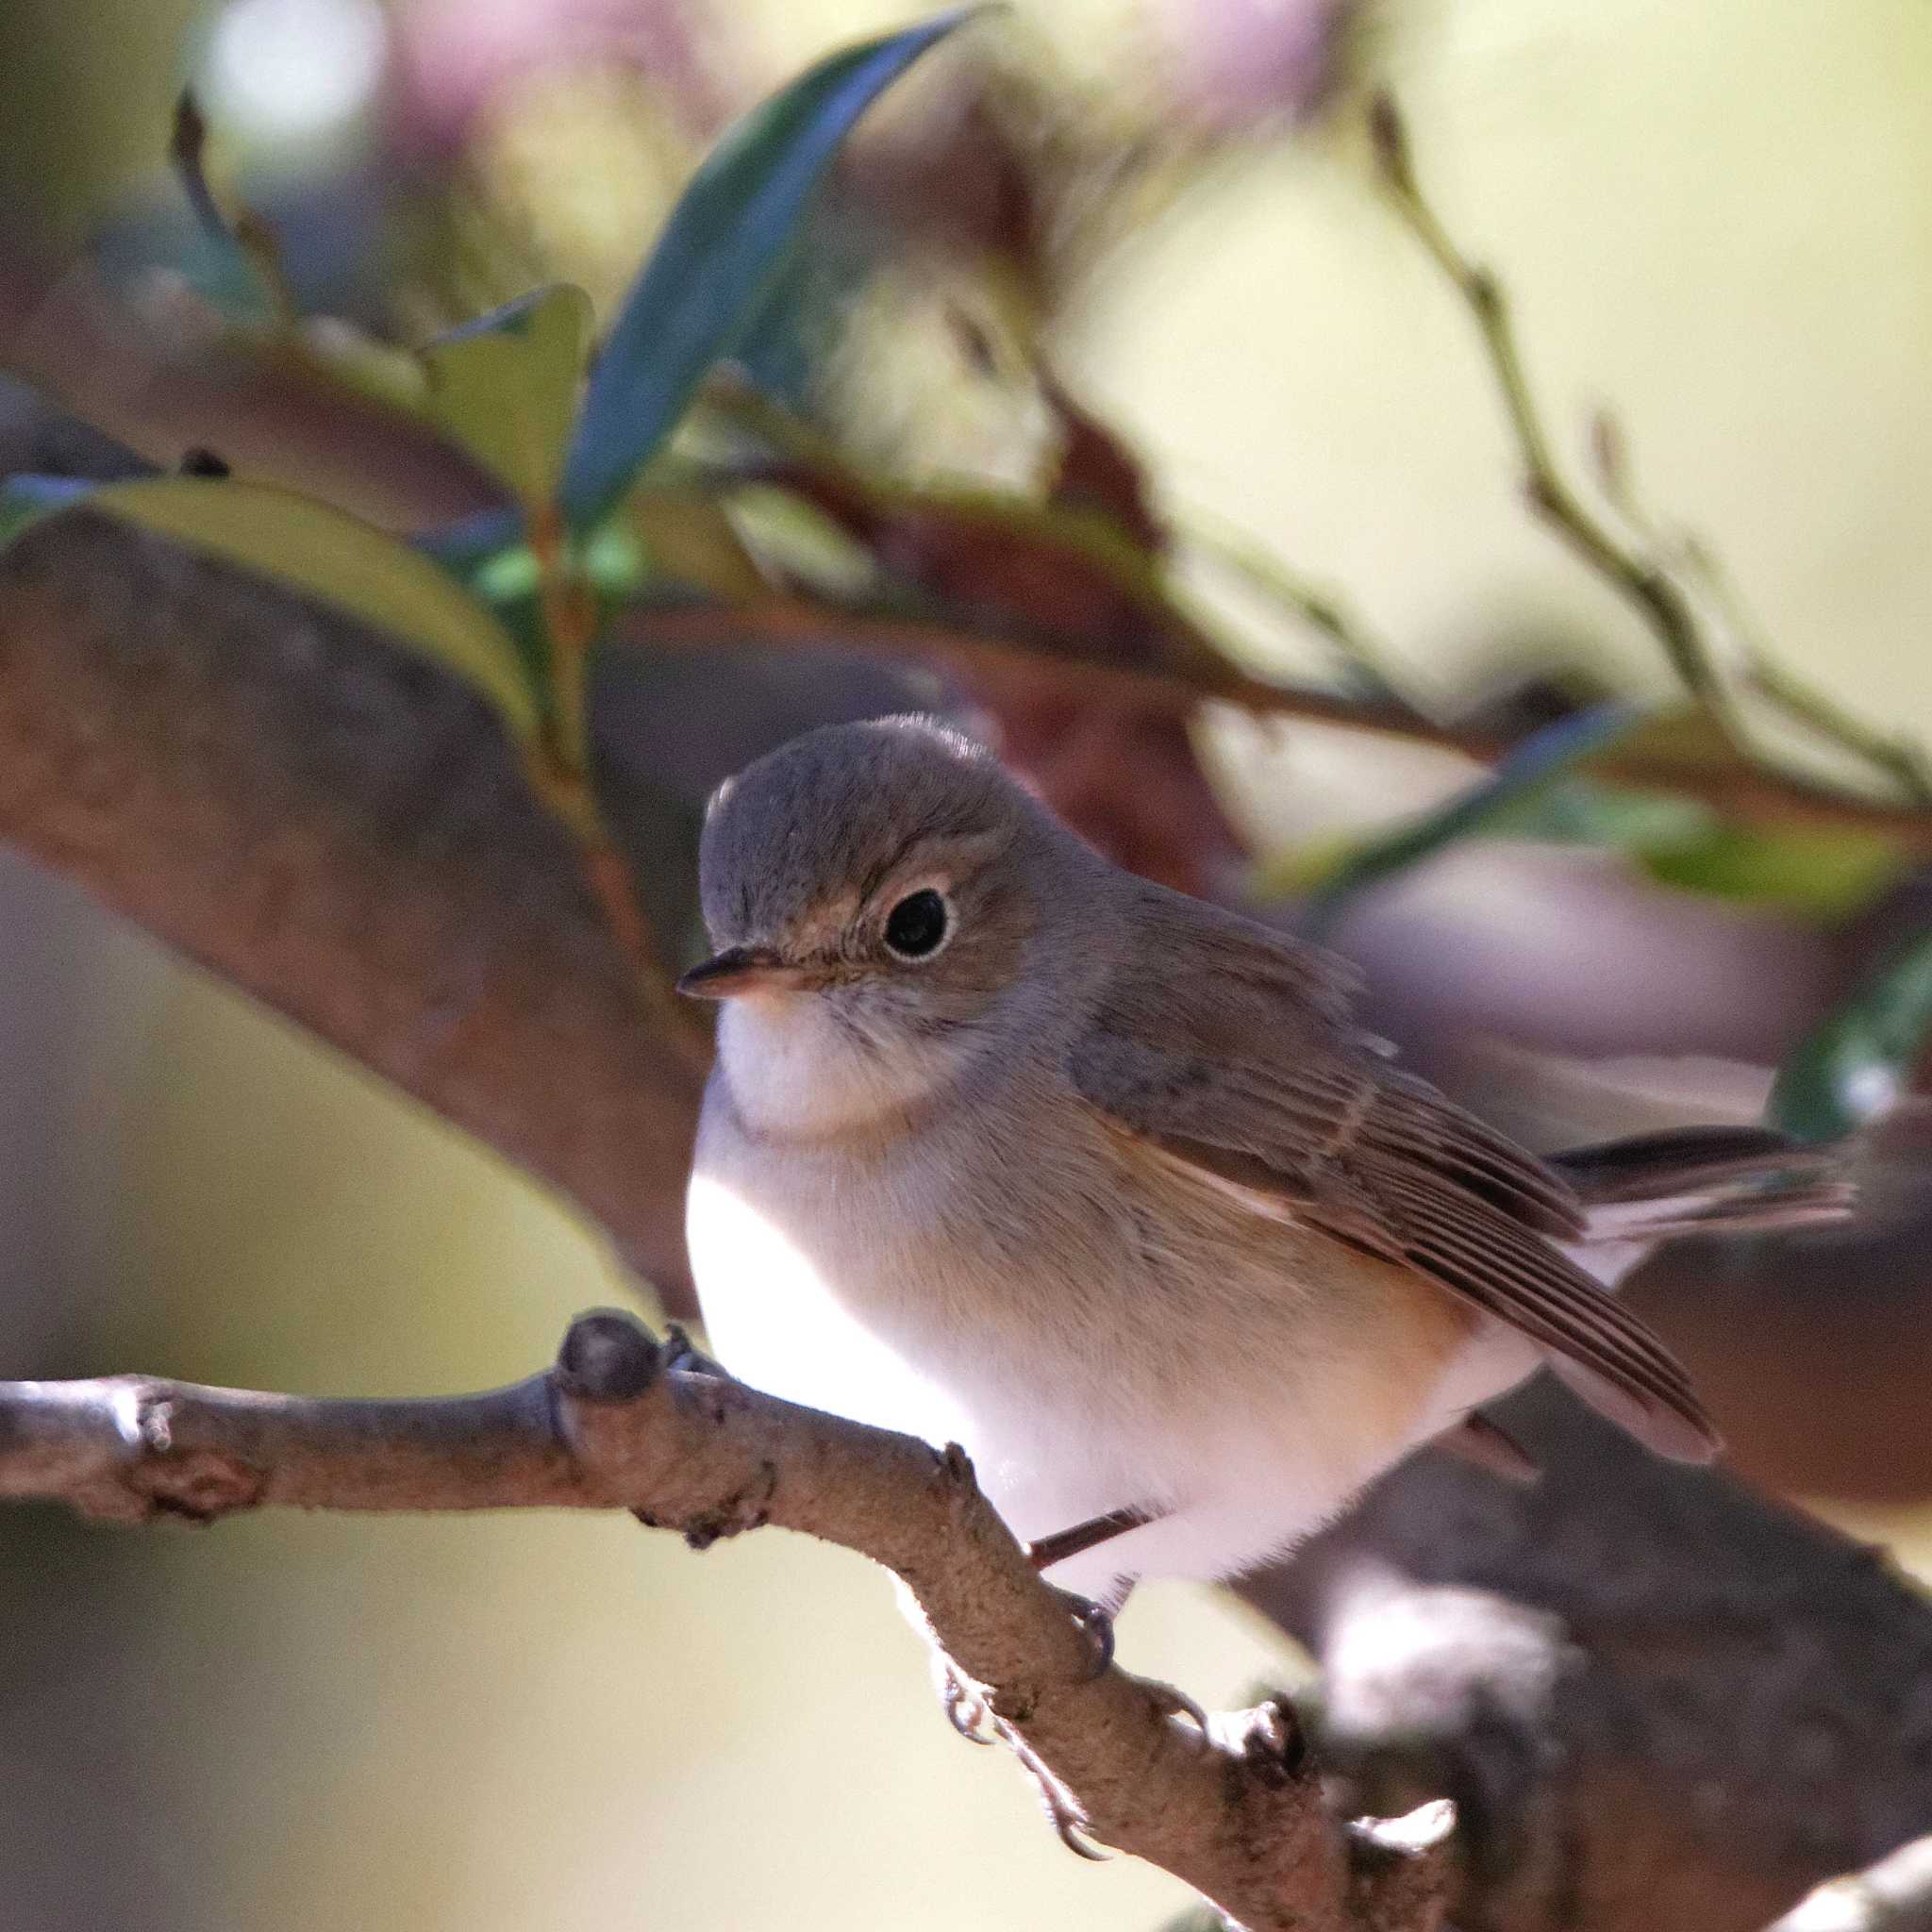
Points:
(1660, 1700)
(340, 830)
(1236, 1810)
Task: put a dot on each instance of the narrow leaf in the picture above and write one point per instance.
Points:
(720, 253)
(1541, 760)
(1852, 1068)
(506, 386)
(316, 549)
(1828, 873)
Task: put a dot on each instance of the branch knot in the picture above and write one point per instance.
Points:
(608, 1356)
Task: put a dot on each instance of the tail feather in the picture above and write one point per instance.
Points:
(1704, 1180)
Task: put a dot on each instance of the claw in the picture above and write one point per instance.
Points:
(1174, 1704)
(1069, 1825)
(966, 1709)
(1095, 1622)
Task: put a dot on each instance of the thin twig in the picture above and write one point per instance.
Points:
(1900, 757)
(612, 1426)
(1895, 756)
(1362, 657)
(1656, 597)
(560, 772)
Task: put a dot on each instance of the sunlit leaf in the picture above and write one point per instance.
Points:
(1541, 760)
(1823, 872)
(691, 539)
(506, 386)
(1852, 1068)
(719, 255)
(323, 552)
(1826, 873)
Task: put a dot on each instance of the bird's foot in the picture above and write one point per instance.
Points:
(1094, 1621)
(1177, 1704)
(963, 1702)
(1068, 1820)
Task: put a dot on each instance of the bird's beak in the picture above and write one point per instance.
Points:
(740, 970)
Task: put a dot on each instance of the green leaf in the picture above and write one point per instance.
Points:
(1538, 763)
(1583, 811)
(1826, 874)
(1852, 1068)
(506, 386)
(720, 253)
(317, 549)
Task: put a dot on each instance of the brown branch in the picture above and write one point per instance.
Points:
(340, 830)
(1236, 1814)
(1745, 791)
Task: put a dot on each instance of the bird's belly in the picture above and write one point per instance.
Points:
(908, 1293)
(1086, 1364)
(784, 1308)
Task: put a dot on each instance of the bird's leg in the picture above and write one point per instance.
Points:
(1090, 1535)
(1094, 1618)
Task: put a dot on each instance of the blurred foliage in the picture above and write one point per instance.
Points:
(1073, 561)
(903, 435)
(1855, 1067)
(506, 387)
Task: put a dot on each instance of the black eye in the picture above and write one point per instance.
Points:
(917, 924)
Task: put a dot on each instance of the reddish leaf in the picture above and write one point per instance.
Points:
(1096, 471)
(1071, 580)
(1120, 769)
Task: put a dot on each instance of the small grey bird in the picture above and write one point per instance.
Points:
(1007, 1147)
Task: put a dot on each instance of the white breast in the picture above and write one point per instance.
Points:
(1020, 1292)
(777, 1322)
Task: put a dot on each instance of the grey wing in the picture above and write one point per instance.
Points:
(1233, 1047)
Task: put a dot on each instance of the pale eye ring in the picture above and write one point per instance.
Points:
(919, 924)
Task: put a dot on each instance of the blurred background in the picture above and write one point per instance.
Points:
(1716, 219)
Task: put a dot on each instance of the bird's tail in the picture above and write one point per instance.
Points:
(1704, 1180)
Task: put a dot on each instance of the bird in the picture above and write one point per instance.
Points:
(1007, 1147)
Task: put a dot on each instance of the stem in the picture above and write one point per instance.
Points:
(244, 231)
(562, 774)
(1901, 761)
(1658, 599)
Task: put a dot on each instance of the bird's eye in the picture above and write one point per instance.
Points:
(916, 927)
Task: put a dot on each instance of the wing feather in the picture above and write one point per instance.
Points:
(1234, 1048)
